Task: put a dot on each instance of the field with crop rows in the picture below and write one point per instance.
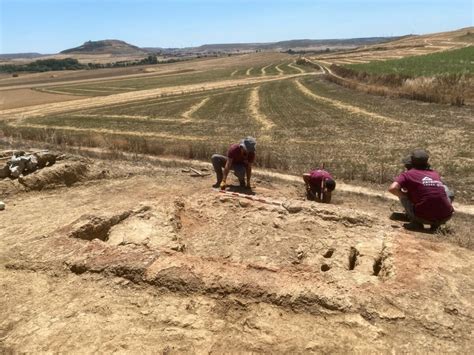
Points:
(110, 87)
(300, 123)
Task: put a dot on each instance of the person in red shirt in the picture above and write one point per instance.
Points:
(422, 193)
(319, 185)
(240, 158)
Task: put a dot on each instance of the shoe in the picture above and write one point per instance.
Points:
(413, 226)
(399, 216)
(217, 185)
(434, 228)
(242, 184)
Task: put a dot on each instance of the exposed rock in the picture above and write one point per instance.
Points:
(244, 203)
(293, 207)
(225, 199)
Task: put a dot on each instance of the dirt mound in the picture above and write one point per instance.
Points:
(61, 174)
(52, 174)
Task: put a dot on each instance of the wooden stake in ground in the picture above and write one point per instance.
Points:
(322, 185)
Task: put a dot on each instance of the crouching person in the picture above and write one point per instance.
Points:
(240, 158)
(319, 185)
(422, 194)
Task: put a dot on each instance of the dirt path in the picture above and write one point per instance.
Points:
(249, 71)
(189, 113)
(254, 107)
(279, 70)
(234, 72)
(263, 72)
(82, 90)
(292, 65)
(346, 107)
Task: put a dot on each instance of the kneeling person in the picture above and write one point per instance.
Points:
(319, 185)
(240, 158)
(422, 194)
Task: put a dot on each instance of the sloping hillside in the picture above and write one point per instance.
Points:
(109, 46)
(405, 47)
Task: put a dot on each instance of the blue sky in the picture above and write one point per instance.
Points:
(49, 26)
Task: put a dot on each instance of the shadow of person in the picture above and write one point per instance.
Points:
(399, 216)
(240, 189)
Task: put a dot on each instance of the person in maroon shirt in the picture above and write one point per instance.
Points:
(240, 158)
(319, 185)
(422, 194)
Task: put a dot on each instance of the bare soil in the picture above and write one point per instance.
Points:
(26, 97)
(138, 257)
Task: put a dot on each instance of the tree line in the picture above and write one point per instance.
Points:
(43, 65)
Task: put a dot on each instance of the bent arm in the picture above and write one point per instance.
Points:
(228, 164)
(249, 172)
(396, 190)
(326, 196)
(306, 178)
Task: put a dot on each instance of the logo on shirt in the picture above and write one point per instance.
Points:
(427, 181)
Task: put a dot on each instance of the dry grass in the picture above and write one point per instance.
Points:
(300, 122)
(452, 89)
(357, 136)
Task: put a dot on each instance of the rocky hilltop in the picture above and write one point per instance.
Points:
(108, 46)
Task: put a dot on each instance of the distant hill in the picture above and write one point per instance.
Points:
(108, 46)
(304, 43)
(297, 44)
(10, 56)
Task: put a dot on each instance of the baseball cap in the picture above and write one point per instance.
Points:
(249, 144)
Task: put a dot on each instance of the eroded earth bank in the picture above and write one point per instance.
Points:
(121, 256)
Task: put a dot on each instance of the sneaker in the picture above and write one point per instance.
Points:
(217, 185)
(435, 228)
(399, 216)
(413, 226)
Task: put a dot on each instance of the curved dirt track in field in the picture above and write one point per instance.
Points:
(189, 113)
(254, 107)
(279, 70)
(346, 107)
(249, 71)
(263, 72)
(292, 65)
(91, 102)
(234, 72)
